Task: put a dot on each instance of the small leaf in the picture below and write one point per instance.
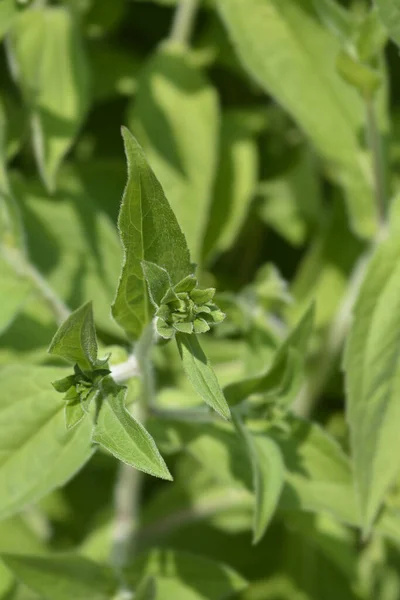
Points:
(373, 380)
(286, 366)
(74, 412)
(158, 281)
(123, 436)
(201, 374)
(76, 340)
(58, 97)
(64, 577)
(268, 477)
(149, 231)
(37, 453)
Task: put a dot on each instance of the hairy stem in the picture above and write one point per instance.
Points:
(127, 493)
(126, 508)
(183, 22)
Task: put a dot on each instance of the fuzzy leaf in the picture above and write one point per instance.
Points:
(158, 281)
(76, 340)
(200, 373)
(123, 436)
(273, 37)
(149, 231)
(373, 380)
(41, 41)
(37, 453)
(268, 477)
(63, 577)
(175, 116)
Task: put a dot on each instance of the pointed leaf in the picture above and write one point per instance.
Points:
(41, 41)
(200, 373)
(63, 577)
(74, 413)
(37, 453)
(273, 37)
(149, 231)
(268, 477)
(287, 363)
(175, 117)
(158, 281)
(123, 436)
(373, 380)
(76, 339)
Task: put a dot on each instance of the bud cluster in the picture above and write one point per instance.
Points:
(186, 308)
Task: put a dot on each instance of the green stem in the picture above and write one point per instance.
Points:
(127, 494)
(129, 482)
(183, 22)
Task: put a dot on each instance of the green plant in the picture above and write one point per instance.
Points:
(233, 332)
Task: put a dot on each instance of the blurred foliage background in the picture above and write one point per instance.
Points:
(264, 121)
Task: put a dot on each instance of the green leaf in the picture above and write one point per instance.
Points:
(63, 577)
(75, 339)
(175, 117)
(389, 12)
(149, 231)
(183, 576)
(200, 373)
(268, 477)
(123, 436)
(37, 453)
(158, 281)
(235, 183)
(273, 37)
(41, 41)
(286, 366)
(74, 413)
(372, 380)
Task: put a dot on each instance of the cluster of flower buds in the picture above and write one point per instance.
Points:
(82, 385)
(186, 308)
